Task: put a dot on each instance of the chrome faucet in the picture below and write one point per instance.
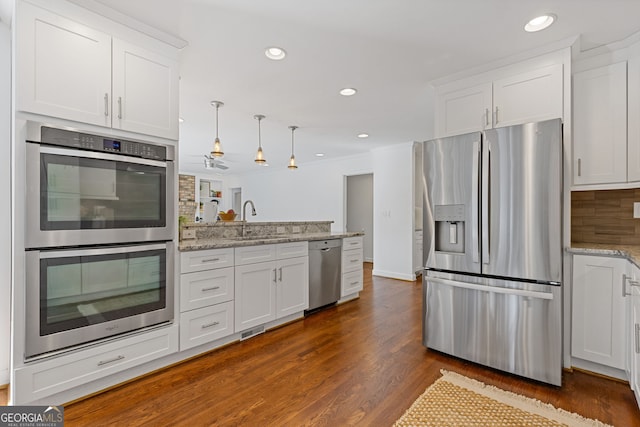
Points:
(244, 214)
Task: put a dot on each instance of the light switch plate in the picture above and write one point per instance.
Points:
(636, 210)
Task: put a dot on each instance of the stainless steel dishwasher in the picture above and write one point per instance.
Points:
(325, 272)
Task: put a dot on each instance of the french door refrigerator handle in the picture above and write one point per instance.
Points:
(495, 289)
(486, 177)
(475, 173)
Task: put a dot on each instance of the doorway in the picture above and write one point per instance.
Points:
(359, 195)
(236, 199)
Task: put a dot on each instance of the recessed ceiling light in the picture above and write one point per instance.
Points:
(363, 135)
(275, 53)
(540, 23)
(319, 154)
(348, 91)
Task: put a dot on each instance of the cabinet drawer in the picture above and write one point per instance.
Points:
(352, 243)
(205, 260)
(352, 260)
(204, 288)
(42, 379)
(292, 250)
(254, 254)
(205, 325)
(352, 282)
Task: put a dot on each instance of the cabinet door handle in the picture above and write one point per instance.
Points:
(119, 107)
(495, 117)
(624, 285)
(106, 362)
(280, 269)
(637, 338)
(210, 260)
(106, 105)
(354, 283)
(579, 166)
(210, 289)
(486, 117)
(209, 325)
(275, 276)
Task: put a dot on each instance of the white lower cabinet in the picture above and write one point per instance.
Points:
(255, 300)
(37, 380)
(598, 332)
(207, 290)
(206, 324)
(352, 259)
(269, 290)
(633, 292)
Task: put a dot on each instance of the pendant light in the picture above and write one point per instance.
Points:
(217, 146)
(292, 159)
(259, 156)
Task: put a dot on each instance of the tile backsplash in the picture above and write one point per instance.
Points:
(605, 216)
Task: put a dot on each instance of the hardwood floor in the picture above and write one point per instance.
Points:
(360, 363)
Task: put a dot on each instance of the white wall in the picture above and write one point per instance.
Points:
(5, 196)
(313, 192)
(393, 211)
(360, 210)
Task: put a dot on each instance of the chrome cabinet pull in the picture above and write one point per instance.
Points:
(280, 274)
(579, 166)
(354, 283)
(209, 325)
(637, 338)
(275, 275)
(106, 362)
(119, 107)
(624, 285)
(210, 289)
(495, 118)
(210, 260)
(486, 117)
(106, 105)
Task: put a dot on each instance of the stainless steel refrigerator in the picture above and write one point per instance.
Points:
(493, 250)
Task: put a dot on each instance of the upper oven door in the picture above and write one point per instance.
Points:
(77, 197)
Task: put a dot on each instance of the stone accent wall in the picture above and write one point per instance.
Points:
(187, 196)
(605, 216)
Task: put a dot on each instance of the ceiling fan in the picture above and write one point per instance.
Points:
(214, 163)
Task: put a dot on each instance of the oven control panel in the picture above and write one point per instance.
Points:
(68, 138)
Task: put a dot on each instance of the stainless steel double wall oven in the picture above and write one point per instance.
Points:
(99, 237)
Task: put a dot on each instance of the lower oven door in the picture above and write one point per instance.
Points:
(76, 296)
(508, 325)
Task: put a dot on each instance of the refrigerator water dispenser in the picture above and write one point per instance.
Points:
(449, 229)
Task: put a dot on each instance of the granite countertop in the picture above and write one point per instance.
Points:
(199, 244)
(630, 252)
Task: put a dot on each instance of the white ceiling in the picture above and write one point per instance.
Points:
(388, 49)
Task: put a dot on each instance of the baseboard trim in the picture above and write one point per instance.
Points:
(394, 275)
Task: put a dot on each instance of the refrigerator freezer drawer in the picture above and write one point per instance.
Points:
(504, 327)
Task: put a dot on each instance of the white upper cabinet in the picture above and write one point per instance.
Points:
(528, 97)
(633, 148)
(145, 91)
(465, 110)
(66, 70)
(600, 125)
(520, 98)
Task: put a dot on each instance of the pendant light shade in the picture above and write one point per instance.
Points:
(217, 146)
(292, 159)
(259, 155)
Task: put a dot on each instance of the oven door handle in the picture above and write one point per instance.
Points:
(100, 156)
(44, 254)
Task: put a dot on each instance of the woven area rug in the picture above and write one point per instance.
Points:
(455, 400)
